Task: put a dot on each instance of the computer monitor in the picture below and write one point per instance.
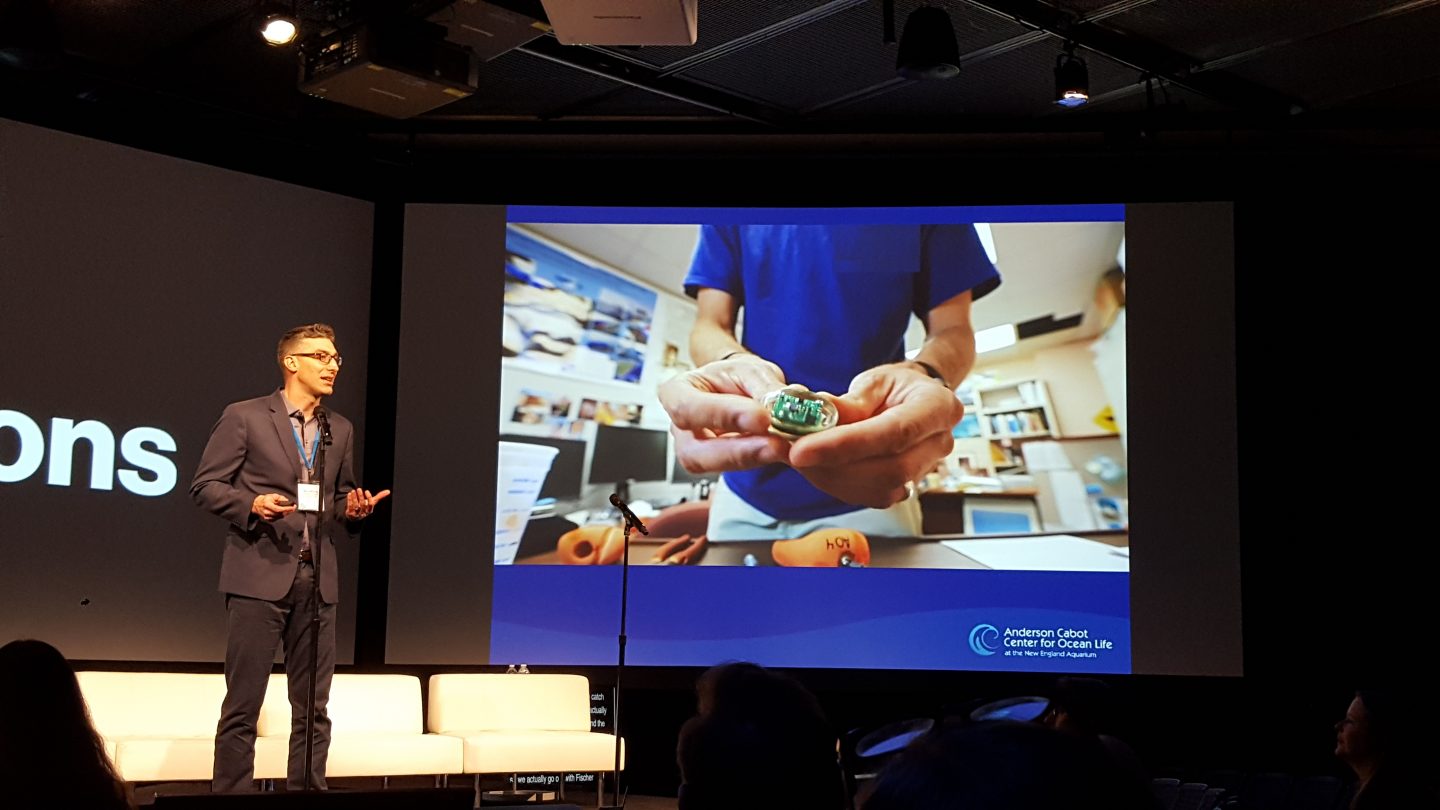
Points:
(1000, 515)
(680, 475)
(628, 453)
(563, 481)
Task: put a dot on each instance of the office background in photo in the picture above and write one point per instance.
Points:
(1044, 414)
(589, 334)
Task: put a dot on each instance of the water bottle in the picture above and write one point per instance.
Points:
(1108, 510)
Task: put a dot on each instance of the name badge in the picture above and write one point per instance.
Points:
(307, 497)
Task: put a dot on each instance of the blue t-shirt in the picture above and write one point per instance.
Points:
(826, 302)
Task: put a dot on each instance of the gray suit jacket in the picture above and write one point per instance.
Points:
(252, 452)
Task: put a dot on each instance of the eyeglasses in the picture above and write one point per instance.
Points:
(323, 358)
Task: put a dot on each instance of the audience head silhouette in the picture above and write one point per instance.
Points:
(50, 755)
(759, 740)
(1004, 765)
(1081, 706)
(1088, 707)
(1383, 742)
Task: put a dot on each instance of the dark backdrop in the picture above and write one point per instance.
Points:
(1331, 265)
(141, 290)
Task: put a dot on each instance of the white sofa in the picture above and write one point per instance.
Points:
(160, 726)
(157, 726)
(520, 723)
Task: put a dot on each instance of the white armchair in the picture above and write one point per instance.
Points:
(520, 723)
(376, 729)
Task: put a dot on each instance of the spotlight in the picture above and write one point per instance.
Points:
(927, 46)
(278, 24)
(1072, 79)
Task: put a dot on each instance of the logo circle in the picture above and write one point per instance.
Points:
(984, 639)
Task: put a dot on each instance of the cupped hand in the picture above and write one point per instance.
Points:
(895, 424)
(716, 416)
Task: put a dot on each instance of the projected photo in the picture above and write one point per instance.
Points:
(1033, 475)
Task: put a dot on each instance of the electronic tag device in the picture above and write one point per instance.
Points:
(797, 411)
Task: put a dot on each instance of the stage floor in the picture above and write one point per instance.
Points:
(145, 794)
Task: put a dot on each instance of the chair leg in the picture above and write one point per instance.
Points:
(384, 783)
(477, 790)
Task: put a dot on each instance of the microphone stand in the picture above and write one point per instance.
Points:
(315, 543)
(620, 661)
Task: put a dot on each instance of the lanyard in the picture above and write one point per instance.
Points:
(307, 458)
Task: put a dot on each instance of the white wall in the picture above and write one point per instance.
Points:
(1076, 394)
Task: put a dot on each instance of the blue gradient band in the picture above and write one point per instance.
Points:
(1017, 621)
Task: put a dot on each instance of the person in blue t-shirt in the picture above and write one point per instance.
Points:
(826, 307)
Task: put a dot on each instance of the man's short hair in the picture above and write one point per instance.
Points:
(298, 333)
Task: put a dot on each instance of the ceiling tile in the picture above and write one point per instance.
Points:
(838, 55)
(1211, 29)
(1360, 61)
(521, 84)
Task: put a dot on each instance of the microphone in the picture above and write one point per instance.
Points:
(629, 516)
(321, 417)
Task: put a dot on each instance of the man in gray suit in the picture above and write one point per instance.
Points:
(280, 470)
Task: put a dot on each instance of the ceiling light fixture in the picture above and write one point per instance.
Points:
(927, 46)
(278, 24)
(1072, 78)
(995, 338)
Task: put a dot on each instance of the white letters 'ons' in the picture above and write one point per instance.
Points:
(149, 473)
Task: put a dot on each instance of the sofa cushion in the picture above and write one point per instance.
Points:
(165, 760)
(489, 702)
(374, 755)
(153, 704)
(532, 751)
(359, 704)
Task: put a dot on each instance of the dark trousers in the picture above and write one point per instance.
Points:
(255, 629)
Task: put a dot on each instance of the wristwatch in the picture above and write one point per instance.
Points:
(932, 371)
